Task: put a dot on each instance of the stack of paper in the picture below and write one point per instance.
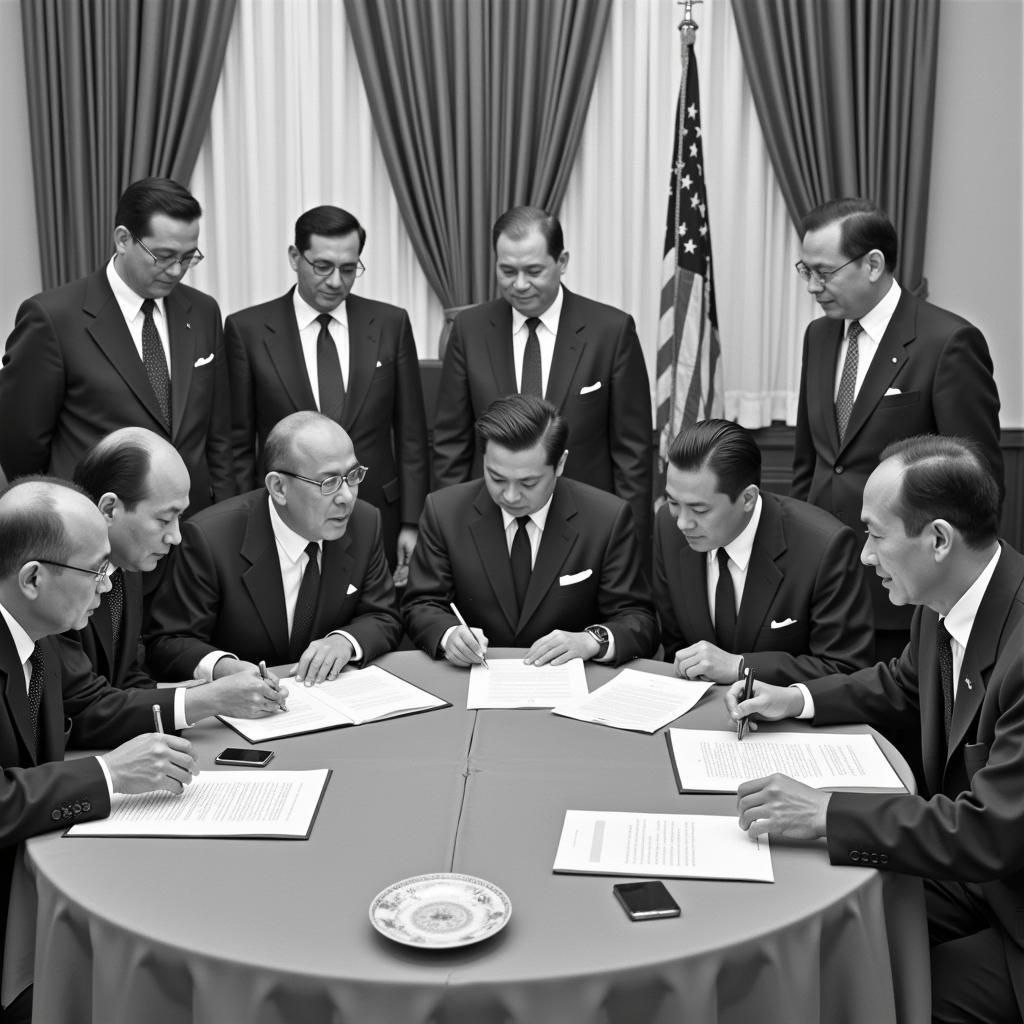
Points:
(509, 683)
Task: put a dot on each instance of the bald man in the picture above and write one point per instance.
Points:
(54, 560)
(293, 573)
(141, 486)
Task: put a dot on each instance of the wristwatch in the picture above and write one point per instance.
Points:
(603, 638)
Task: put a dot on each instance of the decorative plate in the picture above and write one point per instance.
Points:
(440, 911)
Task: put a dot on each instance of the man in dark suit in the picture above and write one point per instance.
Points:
(53, 569)
(360, 368)
(744, 577)
(541, 339)
(130, 345)
(293, 573)
(911, 368)
(140, 485)
(530, 559)
(931, 509)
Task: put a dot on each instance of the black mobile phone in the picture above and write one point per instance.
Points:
(245, 757)
(645, 901)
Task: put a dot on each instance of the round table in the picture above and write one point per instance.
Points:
(274, 931)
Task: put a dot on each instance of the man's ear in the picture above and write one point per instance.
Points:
(109, 504)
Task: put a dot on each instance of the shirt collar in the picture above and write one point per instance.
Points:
(549, 318)
(539, 518)
(23, 643)
(291, 543)
(740, 548)
(960, 619)
(305, 314)
(129, 301)
(876, 320)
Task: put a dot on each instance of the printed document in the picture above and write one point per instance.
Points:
(251, 804)
(508, 683)
(661, 845)
(354, 698)
(706, 761)
(641, 701)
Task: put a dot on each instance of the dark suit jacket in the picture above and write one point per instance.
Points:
(462, 556)
(942, 367)
(97, 639)
(383, 404)
(967, 823)
(39, 790)
(598, 382)
(804, 569)
(223, 590)
(72, 375)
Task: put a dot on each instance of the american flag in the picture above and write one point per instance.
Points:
(689, 383)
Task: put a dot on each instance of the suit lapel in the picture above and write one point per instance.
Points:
(335, 580)
(821, 384)
(763, 575)
(284, 350)
(15, 693)
(933, 740)
(111, 335)
(262, 579)
(569, 345)
(51, 708)
(693, 574)
(182, 343)
(489, 538)
(498, 343)
(363, 355)
(557, 540)
(887, 362)
(104, 632)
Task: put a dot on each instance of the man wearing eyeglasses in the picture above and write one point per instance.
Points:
(53, 571)
(878, 366)
(293, 573)
(129, 345)
(320, 347)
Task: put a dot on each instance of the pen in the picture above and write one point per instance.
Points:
(263, 675)
(480, 650)
(158, 722)
(748, 692)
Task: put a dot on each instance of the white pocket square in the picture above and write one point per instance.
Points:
(576, 577)
(780, 623)
(351, 590)
(203, 360)
(590, 387)
(892, 391)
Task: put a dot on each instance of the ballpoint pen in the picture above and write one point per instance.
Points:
(748, 692)
(479, 647)
(158, 722)
(263, 675)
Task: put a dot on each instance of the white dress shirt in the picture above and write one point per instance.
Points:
(130, 305)
(309, 332)
(873, 325)
(547, 331)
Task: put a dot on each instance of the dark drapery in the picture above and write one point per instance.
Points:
(845, 91)
(479, 105)
(117, 90)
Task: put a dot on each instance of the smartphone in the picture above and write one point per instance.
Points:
(644, 901)
(245, 757)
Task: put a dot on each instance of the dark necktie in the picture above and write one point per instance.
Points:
(522, 563)
(305, 603)
(532, 379)
(725, 605)
(115, 602)
(945, 656)
(848, 381)
(155, 361)
(330, 382)
(35, 689)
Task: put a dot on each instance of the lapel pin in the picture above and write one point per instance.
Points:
(968, 682)
(188, 325)
(894, 359)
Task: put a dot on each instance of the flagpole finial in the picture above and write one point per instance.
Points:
(688, 27)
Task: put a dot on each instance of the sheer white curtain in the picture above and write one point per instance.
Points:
(291, 129)
(614, 210)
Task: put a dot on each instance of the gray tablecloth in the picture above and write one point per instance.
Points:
(216, 931)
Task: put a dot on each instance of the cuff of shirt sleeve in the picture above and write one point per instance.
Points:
(808, 711)
(444, 638)
(204, 670)
(357, 651)
(180, 721)
(106, 777)
(609, 655)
